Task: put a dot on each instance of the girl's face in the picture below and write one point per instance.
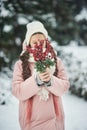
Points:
(36, 38)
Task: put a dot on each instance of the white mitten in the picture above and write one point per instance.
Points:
(44, 94)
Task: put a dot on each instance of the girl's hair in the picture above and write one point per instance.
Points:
(26, 73)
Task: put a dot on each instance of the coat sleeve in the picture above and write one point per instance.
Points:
(20, 88)
(60, 84)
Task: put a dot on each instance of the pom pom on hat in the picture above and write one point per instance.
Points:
(34, 27)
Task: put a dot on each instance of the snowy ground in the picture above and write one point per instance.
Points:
(75, 112)
(74, 107)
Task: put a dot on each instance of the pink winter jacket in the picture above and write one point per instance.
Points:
(43, 112)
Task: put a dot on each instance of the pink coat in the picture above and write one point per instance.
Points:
(43, 112)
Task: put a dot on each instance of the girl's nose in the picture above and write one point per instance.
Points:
(38, 42)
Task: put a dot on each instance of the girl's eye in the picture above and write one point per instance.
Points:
(35, 43)
(41, 40)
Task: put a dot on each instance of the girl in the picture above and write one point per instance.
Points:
(39, 94)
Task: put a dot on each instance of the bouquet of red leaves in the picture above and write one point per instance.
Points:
(43, 57)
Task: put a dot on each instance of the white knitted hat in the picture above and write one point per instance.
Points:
(34, 27)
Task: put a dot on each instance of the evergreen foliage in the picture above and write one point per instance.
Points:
(56, 15)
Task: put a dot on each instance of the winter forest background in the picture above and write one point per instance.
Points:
(66, 22)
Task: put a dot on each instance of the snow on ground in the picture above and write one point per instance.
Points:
(75, 114)
(9, 115)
